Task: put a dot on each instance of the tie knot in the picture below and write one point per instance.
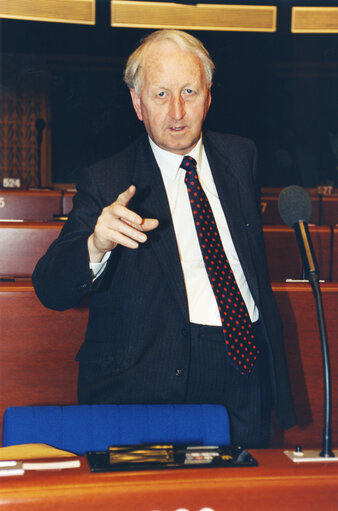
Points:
(188, 163)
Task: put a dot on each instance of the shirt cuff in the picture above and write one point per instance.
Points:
(98, 268)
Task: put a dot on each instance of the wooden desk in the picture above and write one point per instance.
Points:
(23, 243)
(37, 349)
(335, 254)
(284, 260)
(324, 211)
(67, 201)
(303, 349)
(30, 204)
(276, 484)
(328, 211)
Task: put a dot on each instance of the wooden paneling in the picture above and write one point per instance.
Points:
(67, 202)
(37, 349)
(335, 254)
(181, 15)
(61, 11)
(25, 99)
(314, 20)
(46, 204)
(22, 244)
(329, 210)
(284, 260)
(303, 348)
(275, 484)
(30, 204)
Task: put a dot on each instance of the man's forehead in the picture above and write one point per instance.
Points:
(161, 59)
(158, 50)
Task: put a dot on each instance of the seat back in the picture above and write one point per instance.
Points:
(82, 428)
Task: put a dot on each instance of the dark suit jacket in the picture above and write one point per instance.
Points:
(138, 330)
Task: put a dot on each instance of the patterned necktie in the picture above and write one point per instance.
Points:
(236, 323)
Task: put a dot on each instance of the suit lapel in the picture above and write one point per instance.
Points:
(229, 192)
(152, 202)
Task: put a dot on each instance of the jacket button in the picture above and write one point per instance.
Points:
(83, 286)
(184, 331)
(179, 372)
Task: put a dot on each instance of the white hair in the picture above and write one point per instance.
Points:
(185, 41)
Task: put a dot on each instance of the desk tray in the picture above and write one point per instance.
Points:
(182, 457)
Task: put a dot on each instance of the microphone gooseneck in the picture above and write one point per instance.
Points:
(295, 208)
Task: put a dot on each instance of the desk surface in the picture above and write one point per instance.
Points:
(276, 484)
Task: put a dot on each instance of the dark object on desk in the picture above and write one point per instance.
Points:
(60, 218)
(162, 457)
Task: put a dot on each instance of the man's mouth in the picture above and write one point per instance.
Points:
(178, 128)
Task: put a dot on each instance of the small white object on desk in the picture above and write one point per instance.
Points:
(300, 456)
(51, 465)
(16, 468)
(11, 468)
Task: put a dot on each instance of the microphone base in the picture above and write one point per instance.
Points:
(307, 456)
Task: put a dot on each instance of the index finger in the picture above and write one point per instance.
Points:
(125, 197)
(119, 210)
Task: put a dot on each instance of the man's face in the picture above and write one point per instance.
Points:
(174, 97)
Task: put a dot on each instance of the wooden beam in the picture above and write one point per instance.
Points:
(312, 20)
(59, 11)
(237, 18)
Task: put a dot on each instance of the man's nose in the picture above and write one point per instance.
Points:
(177, 108)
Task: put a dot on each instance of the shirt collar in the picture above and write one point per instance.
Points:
(169, 163)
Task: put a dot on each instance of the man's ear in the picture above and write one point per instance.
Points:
(136, 103)
(209, 100)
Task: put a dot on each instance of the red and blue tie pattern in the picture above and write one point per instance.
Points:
(236, 323)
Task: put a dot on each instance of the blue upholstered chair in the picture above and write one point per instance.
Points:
(82, 428)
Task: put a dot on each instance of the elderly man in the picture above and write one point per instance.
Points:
(166, 239)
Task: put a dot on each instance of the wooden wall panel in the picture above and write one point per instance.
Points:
(37, 349)
(335, 254)
(30, 204)
(303, 347)
(67, 202)
(329, 210)
(24, 100)
(22, 244)
(314, 20)
(283, 254)
(239, 18)
(57, 11)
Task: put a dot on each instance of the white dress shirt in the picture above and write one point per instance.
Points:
(203, 308)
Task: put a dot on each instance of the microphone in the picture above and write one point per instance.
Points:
(40, 126)
(295, 208)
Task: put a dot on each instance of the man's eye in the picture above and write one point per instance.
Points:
(161, 94)
(189, 91)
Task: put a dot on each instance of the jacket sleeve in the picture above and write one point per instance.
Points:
(62, 277)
